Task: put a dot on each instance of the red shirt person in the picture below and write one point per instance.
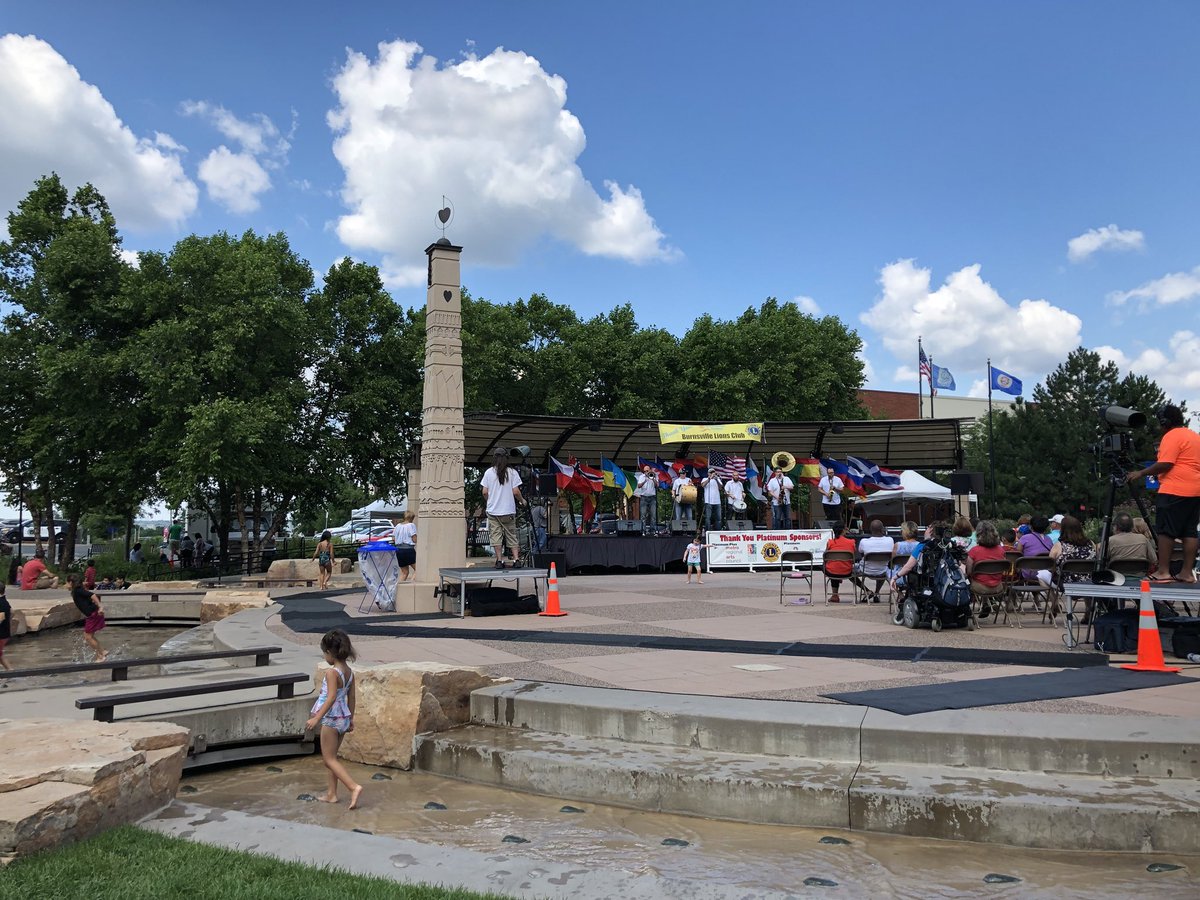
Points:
(1178, 505)
(32, 571)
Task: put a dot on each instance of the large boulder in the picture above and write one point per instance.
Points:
(296, 572)
(40, 611)
(396, 701)
(64, 780)
(222, 604)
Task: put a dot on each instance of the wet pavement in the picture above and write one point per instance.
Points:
(742, 859)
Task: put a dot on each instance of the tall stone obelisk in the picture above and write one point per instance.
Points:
(441, 516)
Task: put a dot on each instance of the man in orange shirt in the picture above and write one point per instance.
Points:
(1178, 471)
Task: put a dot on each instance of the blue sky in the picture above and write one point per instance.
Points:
(914, 168)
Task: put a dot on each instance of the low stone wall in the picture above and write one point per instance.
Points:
(65, 780)
(302, 570)
(218, 605)
(397, 701)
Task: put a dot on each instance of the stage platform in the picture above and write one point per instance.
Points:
(603, 552)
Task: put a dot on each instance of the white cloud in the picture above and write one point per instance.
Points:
(965, 321)
(56, 121)
(1173, 288)
(1110, 237)
(868, 369)
(131, 257)
(234, 180)
(257, 135)
(1174, 369)
(493, 134)
(807, 305)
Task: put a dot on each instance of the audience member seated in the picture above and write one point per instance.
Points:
(1022, 526)
(1126, 545)
(834, 569)
(898, 578)
(106, 583)
(1054, 532)
(122, 584)
(962, 532)
(876, 542)
(35, 576)
(1072, 544)
(1008, 539)
(987, 547)
(1035, 543)
(907, 544)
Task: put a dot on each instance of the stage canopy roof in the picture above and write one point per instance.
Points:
(896, 444)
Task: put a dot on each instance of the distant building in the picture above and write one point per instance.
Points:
(906, 405)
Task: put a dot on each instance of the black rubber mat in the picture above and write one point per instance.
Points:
(909, 701)
(313, 615)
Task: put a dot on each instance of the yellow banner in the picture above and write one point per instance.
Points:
(741, 431)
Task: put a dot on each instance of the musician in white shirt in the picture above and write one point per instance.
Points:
(647, 494)
(735, 494)
(683, 509)
(780, 488)
(830, 487)
(712, 501)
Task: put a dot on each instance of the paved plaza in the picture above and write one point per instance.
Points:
(734, 606)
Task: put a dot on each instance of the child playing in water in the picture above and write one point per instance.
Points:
(93, 613)
(691, 556)
(334, 711)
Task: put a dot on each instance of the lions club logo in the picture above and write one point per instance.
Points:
(1004, 381)
(753, 429)
(770, 552)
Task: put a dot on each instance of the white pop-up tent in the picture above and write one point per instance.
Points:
(916, 491)
(381, 509)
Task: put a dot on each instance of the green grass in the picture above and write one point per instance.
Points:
(128, 863)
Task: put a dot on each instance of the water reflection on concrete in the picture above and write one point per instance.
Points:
(751, 857)
(62, 646)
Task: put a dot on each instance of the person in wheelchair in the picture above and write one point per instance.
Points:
(931, 586)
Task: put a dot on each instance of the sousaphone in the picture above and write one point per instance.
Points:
(783, 460)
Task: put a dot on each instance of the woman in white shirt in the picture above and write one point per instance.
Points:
(404, 536)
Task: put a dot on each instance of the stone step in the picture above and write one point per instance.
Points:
(745, 788)
(1117, 746)
(721, 724)
(1030, 810)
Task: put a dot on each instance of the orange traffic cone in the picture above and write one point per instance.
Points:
(552, 598)
(1150, 656)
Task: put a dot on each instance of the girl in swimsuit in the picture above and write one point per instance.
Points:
(334, 711)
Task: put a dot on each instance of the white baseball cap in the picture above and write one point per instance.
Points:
(1057, 520)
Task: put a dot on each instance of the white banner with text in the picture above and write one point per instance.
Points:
(762, 549)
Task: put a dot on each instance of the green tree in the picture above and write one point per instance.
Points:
(65, 344)
(775, 363)
(1045, 450)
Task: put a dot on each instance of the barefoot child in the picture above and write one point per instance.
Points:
(691, 556)
(5, 626)
(334, 711)
(93, 614)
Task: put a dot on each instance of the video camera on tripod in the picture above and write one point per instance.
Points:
(1116, 445)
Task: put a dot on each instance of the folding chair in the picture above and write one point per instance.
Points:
(846, 556)
(982, 593)
(796, 558)
(874, 561)
(895, 566)
(1021, 587)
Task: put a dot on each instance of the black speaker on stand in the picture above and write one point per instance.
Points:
(629, 527)
(683, 526)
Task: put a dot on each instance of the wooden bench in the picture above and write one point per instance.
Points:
(104, 706)
(120, 667)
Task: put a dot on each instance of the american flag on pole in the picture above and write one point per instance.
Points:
(927, 370)
(724, 466)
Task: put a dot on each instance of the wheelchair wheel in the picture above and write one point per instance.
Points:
(898, 615)
(971, 623)
(911, 615)
(936, 624)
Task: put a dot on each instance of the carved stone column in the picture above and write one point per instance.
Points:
(441, 516)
